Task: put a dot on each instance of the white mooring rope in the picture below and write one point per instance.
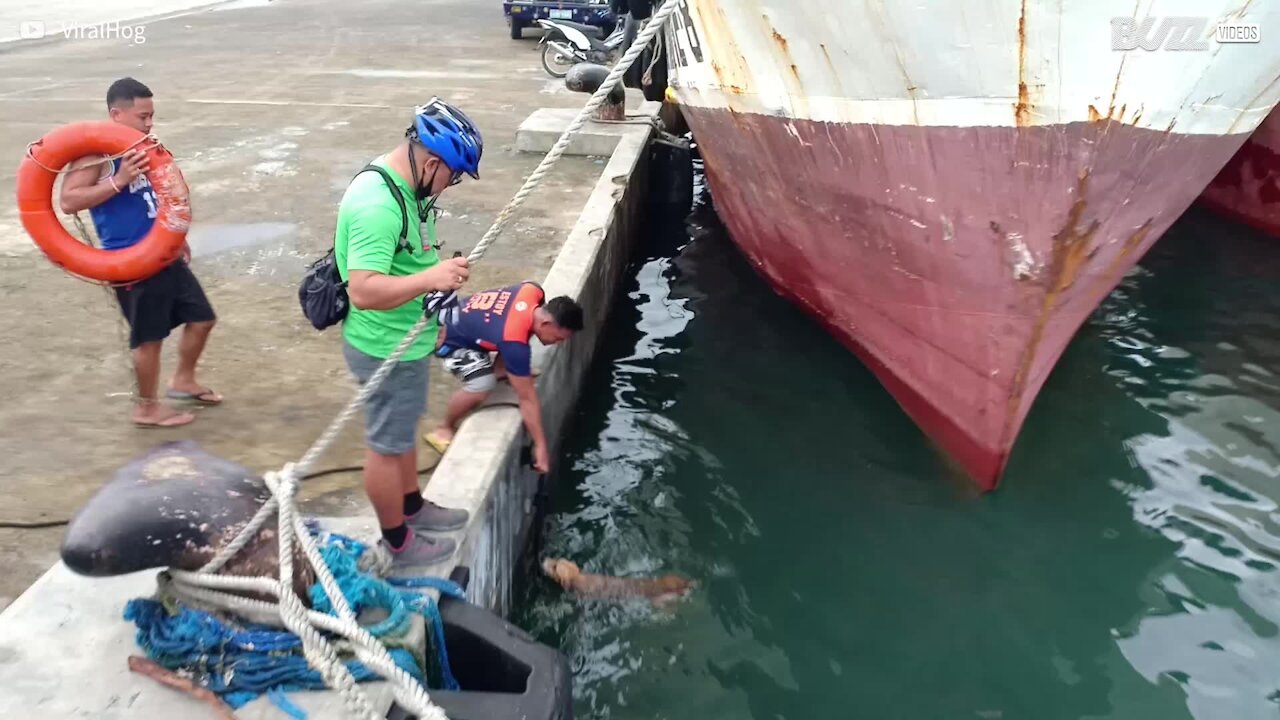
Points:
(205, 589)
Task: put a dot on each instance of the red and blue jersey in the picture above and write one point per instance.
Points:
(497, 320)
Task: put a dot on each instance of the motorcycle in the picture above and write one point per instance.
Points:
(565, 44)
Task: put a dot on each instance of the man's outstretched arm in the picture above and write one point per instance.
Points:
(531, 412)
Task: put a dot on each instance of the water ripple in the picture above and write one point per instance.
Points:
(1209, 486)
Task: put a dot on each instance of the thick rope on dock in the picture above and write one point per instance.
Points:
(205, 588)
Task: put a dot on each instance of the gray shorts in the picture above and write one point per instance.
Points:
(392, 412)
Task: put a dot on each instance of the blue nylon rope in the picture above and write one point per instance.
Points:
(280, 700)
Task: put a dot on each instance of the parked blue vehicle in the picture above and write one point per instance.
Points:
(521, 15)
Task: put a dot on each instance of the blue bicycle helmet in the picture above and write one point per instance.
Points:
(450, 135)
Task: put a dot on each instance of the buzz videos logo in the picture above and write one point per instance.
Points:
(1178, 33)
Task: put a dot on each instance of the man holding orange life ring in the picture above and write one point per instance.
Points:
(123, 206)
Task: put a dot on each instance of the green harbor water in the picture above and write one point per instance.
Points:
(1127, 568)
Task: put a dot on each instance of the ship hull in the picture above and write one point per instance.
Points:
(954, 236)
(956, 307)
(1248, 188)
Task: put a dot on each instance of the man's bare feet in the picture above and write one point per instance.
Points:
(154, 414)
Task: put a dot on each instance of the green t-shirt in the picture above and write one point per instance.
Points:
(366, 238)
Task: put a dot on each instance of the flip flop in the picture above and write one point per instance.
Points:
(439, 444)
(170, 422)
(203, 397)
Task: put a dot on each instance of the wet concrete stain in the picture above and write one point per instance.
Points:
(214, 238)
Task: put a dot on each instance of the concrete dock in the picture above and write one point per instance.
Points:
(270, 107)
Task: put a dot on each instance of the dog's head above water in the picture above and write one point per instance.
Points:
(571, 577)
(562, 571)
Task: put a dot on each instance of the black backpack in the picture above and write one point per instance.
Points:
(323, 294)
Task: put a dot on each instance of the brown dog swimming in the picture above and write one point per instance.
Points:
(661, 591)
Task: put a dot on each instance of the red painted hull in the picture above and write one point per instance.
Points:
(1248, 188)
(956, 262)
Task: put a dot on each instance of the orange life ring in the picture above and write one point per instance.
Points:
(36, 175)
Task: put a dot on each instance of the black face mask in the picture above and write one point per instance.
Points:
(426, 201)
(424, 192)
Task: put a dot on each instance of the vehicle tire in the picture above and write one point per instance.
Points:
(547, 52)
(516, 29)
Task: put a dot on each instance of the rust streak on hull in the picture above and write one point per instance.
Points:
(1071, 250)
(1022, 111)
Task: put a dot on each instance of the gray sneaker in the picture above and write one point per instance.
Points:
(420, 551)
(433, 518)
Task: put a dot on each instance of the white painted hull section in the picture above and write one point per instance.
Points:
(973, 63)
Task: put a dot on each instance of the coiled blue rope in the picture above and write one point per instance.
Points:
(241, 663)
(348, 550)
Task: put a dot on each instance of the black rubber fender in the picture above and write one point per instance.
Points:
(671, 176)
(505, 674)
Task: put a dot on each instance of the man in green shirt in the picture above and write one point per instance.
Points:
(387, 278)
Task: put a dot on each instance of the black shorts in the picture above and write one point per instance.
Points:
(162, 302)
